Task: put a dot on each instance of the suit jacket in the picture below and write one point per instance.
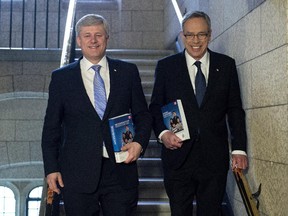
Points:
(206, 123)
(73, 133)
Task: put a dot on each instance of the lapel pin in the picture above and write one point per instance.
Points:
(217, 69)
(115, 70)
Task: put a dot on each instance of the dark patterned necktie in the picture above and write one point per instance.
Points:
(200, 83)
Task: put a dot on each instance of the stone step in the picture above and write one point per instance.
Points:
(148, 97)
(153, 150)
(138, 53)
(153, 138)
(134, 53)
(153, 207)
(160, 207)
(147, 86)
(150, 168)
(147, 75)
(142, 62)
(152, 188)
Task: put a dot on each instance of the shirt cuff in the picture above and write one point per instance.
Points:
(160, 135)
(240, 152)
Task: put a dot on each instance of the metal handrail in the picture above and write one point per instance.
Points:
(68, 53)
(178, 41)
(21, 25)
(69, 39)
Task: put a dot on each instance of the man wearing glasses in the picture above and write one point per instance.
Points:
(207, 84)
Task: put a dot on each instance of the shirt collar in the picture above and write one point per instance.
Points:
(87, 64)
(190, 60)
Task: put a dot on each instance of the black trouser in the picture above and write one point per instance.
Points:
(110, 197)
(192, 180)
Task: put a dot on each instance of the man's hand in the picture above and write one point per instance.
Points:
(171, 141)
(134, 150)
(52, 180)
(239, 161)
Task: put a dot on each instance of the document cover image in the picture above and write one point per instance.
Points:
(122, 132)
(175, 120)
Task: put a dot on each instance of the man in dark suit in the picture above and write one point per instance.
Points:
(77, 147)
(198, 167)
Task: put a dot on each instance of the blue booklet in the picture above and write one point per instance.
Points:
(122, 132)
(175, 120)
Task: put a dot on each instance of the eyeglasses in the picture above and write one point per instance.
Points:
(200, 36)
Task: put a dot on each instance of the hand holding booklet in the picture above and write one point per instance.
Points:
(175, 119)
(122, 132)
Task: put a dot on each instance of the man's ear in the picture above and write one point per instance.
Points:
(210, 35)
(181, 34)
(78, 41)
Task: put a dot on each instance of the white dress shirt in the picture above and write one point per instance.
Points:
(192, 69)
(88, 74)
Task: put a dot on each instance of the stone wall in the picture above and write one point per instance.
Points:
(255, 34)
(252, 32)
(135, 24)
(24, 80)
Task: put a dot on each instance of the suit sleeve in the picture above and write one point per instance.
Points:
(51, 135)
(236, 114)
(158, 99)
(141, 115)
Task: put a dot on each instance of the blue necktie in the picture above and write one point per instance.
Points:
(99, 92)
(200, 83)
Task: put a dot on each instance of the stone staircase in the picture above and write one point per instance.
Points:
(152, 196)
(153, 200)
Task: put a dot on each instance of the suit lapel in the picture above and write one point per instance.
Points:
(78, 83)
(214, 71)
(113, 69)
(186, 80)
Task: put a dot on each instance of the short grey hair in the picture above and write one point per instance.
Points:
(197, 14)
(91, 20)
